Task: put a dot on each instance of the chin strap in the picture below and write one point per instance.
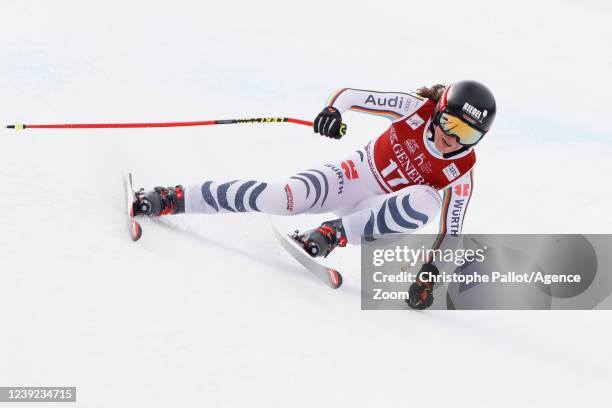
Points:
(456, 152)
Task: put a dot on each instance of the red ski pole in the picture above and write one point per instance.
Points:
(21, 126)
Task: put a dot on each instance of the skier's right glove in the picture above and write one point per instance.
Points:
(421, 292)
(329, 123)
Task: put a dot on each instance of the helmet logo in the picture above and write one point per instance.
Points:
(473, 112)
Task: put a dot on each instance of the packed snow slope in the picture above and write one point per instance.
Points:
(208, 310)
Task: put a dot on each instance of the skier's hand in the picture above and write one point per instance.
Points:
(329, 123)
(420, 296)
(421, 292)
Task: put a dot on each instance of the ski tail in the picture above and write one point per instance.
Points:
(335, 278)
(134, 228)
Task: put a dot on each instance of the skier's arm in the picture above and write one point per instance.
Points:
(455, 201)
(454, 206)
(392, 105)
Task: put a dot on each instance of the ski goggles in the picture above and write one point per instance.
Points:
(453, 126)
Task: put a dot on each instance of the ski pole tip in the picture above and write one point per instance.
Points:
(16, 126)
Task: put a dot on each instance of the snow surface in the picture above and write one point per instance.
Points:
(209, 310)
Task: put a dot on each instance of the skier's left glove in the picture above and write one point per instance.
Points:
(421, 291)
(329, 123)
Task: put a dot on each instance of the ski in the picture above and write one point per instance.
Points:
(329, 276)
(133, 226)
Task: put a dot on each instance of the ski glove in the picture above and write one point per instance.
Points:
(421, 291)
(329, 123)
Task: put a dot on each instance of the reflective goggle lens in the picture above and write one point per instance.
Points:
(453, 126)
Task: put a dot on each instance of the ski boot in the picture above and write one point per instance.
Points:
(160, 201)
(322, 240)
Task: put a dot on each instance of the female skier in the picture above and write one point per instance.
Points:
(389, 186)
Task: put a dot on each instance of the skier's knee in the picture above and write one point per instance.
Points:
(303, 192)
(425, 200)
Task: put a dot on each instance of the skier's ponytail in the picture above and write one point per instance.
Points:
(433, 93)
